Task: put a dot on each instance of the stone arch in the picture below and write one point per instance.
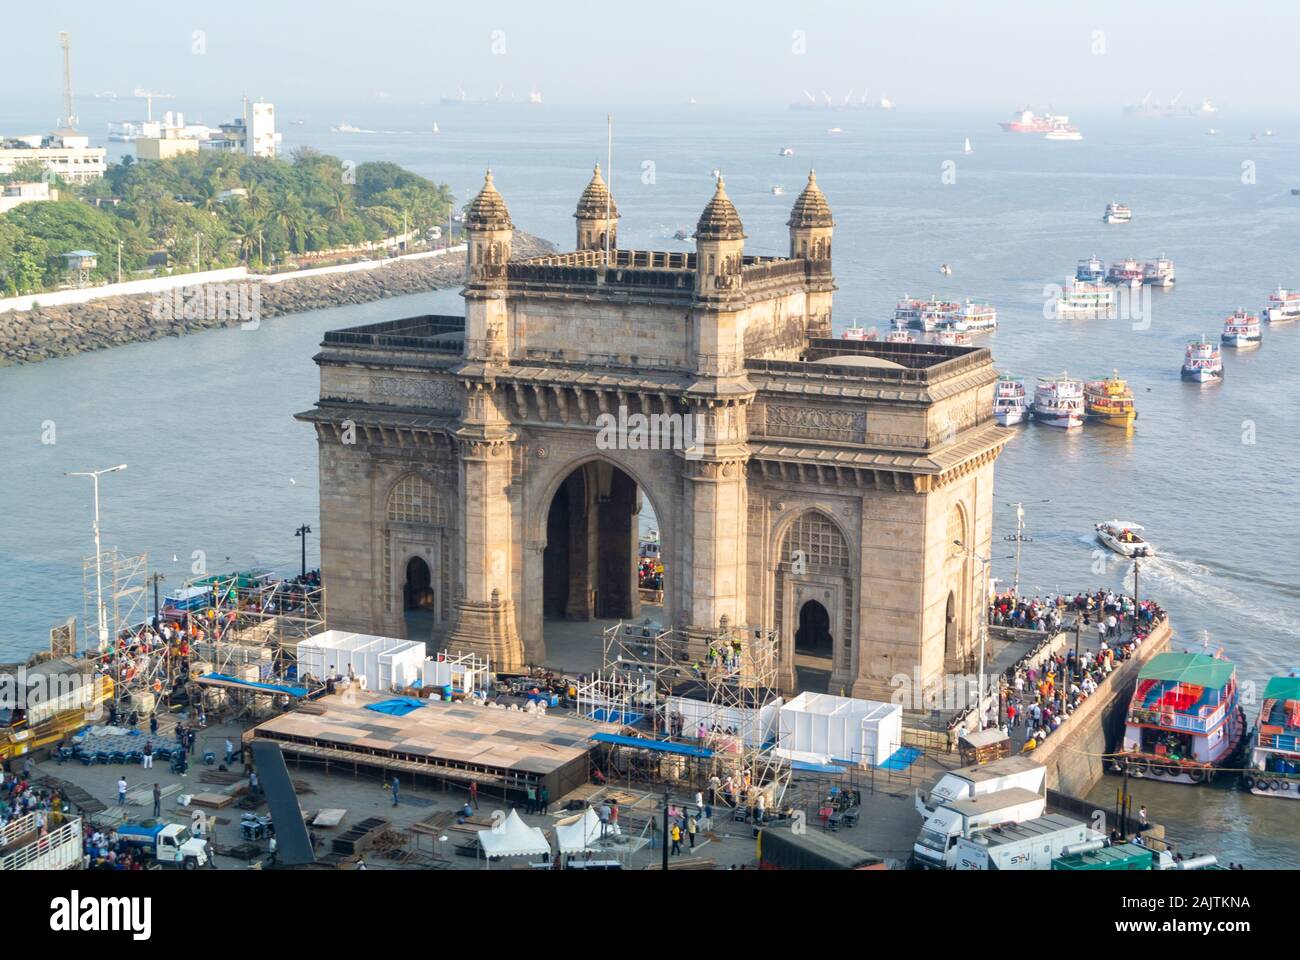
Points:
(814, 558)
(414, 524)
(957, 628)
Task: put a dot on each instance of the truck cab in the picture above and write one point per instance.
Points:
(936, 845)
(170, 844)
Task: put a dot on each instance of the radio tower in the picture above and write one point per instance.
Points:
(69, 121)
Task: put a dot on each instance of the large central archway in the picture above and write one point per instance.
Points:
(601, 563)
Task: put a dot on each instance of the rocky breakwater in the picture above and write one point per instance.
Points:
(61, 331)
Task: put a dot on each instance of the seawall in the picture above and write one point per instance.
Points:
(1072, 755)
(98, 321)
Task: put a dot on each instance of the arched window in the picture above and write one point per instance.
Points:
(414, 500)
(817, 540)
(957, 531)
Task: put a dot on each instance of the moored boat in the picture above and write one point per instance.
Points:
(1124, 537)
(1127, 272)
(1091, 270)
(1085, 300)
(971, 316)
(925, 315)
(1203, 361)
(899, 336)
(1184, 720)
(1158, 272)
(1274, 768)
(1241, 330)
(1283, 306)
(1010, 403)
(953, 338)
(1109, 400)
(855, 332)
(1058, 402)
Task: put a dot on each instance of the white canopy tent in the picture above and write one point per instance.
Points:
(858, 731)
(514, 838)
(385, 663)
(578, 834)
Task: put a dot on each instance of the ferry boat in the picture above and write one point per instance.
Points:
(1117, 213)
(926, 315)
(1109, 400)
(1158, 272)
(778, 191)
(1091, 270)
(855, 332)
(953, 338)
(1241, 330)
(1126, 273)
(1203, 361)
(971, 316)
(1058, 402)
(1184, 720)
(1124, 538)
(1026, 121)
(787, 151)
(1283, 306)
(899, 336)
(1274, 769)
(1010, 404)
(1062, 129)
(1086, 300)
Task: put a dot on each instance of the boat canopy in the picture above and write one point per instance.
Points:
(1122, 525)
(1283, 688)
(1193, 669)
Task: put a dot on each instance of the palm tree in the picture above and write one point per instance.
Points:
(288, 214)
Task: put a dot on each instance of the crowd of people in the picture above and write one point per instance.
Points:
(650, 573)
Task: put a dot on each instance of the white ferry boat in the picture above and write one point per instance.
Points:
(953, 338)
(1283, 306)
(1158, 272)
(972, 316)
(1058, 402)
(1124, 538)
(1126, 273)
(1241, 330)
(1086, 300)
(1184, 720)
(926, 315)
(787, 151)
(1203, 361)
(855, 332)
(1117, 213)
(1062, 129)
(1092, 270)
(899, 336)
(1274, 769)
(1010, 404)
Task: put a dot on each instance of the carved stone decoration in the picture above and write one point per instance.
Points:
(783, 420)
(436, 393)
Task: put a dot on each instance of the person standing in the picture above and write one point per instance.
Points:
(543, 799)
(691, 829)
(604, 814)
(473, 793)
(153, 724)
(121, 792)
(396, 788)
(157, 802)
(230, 751)
(146, 755)
(676, 833)
(531, 806)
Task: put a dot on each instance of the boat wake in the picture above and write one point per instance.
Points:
(1190, 579)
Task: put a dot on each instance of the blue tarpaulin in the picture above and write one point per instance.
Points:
(616, 716)
(901, 759)
(397, 707)
(290, 689)
(661, 746)
(803, 766)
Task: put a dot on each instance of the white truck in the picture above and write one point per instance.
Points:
(936, 845)
(170, 844)
(1031, 845)
(967, 783)
(23, 848)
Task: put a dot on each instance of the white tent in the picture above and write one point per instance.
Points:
(384, 662)
(580, 833)
(514, 838)
(859, 731)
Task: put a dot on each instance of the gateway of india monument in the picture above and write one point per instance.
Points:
(834, 494)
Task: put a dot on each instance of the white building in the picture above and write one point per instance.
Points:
(67, 155)
(15, 194)
(254, 137)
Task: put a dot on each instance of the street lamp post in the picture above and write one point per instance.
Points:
(302, 532)
(155, 579)
(1020, 538)
(99, 565)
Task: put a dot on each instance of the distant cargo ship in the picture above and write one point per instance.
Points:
(1026, 121)
(1117, 213)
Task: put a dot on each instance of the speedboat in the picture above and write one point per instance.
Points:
(1124, 538)
(1184, 721)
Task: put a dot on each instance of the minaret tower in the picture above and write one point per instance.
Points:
(597, 216)
(811, 227)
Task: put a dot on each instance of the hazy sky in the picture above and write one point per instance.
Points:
(929, 54)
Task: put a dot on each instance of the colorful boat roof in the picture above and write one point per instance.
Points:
(1197, 669)
(1283, 688)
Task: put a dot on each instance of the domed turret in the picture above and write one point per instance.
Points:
(489, 234)
(719, 246)
(487, 211)
(811, 224)
(597, 215)
(719, 221)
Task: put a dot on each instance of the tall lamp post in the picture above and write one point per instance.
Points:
(1019, 538)
(99, 557)
(984, 617)
(302, 532)
(155, 579)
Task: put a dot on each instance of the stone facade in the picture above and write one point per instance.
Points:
(802, 485)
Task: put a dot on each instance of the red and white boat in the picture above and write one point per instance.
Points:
(1026, 121)
(1184, 721)
(855, 332)
(899, 336)
(1127, 273)
(971, 316)
(1010, 405)
(953, 338)
(1283, 306)
(926, 315)
(1058, 402)
(1203, 362)
(1242, 330)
